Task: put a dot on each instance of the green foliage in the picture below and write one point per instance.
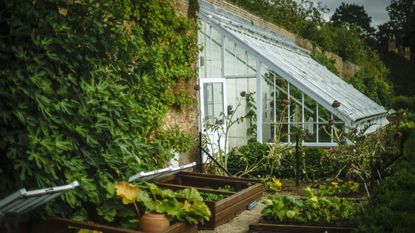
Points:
(404, 102)
(212, 196)
(257, 159)
(361, 154)
(83, 92)
(401, 73)
(192, 210)
(251, 116)
(241, 157)
(272, 184)
(315, 158)
(372, 78)
(311, 209)
(339, 188)
(330, 64)
(175, 139)
(402, 15)
(352, 15)
(217, 197)
(391, 207)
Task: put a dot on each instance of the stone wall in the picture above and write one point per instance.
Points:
(186, 118)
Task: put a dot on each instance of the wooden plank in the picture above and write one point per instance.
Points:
(231, 207)
(181, 227)
(227, 214)
(62, 224)
(205, 190)
(281, 228)
(229, 201)
(247, 180)
(200, 181)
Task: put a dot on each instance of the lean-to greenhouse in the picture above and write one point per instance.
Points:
(288, 88)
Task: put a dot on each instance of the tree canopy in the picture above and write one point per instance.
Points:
(352, 15)
(402, 21)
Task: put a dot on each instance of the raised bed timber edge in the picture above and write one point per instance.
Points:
(63, 225)
(284, 228)
(246, 191)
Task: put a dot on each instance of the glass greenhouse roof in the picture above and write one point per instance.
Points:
(295, 65)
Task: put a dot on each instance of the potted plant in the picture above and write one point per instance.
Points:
(163, 205)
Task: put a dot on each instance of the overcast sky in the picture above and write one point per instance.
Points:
(374, 8)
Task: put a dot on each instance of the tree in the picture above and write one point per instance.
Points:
(402, 15)
(354, 16)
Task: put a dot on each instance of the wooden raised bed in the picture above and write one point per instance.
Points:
(285, 228)
(63, 225)
(246, 192)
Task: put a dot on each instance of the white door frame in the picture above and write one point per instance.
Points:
(202, 82)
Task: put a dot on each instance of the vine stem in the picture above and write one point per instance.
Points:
(136, 209)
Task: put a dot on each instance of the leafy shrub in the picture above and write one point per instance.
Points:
(391, 207)
(318, 163)
(83, 93)
(244, 156)
(191, 208)
(311, 209)
(339, 188)
(404, 102)
(330, 64)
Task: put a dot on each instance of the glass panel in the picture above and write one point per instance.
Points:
(281, 98)
(238, 132)
(216, 58)
(267, 130)
(323, 115)
(213, 102)
(324, 133)
(267, 104)
(202, 58)
(241, 60)
(310, 116)
(251, 65)
(281, 133)
(338, 130)
(208, 54)
(295, 110)
(229, 57)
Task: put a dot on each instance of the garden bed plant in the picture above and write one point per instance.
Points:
(313, 210)
(184, 205)
(226, 197)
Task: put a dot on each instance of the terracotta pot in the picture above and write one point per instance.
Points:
(153, 223)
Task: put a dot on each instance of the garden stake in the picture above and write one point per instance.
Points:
(200, 162)
(297, 160)
(216, 162)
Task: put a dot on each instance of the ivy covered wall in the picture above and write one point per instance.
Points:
(84, 88)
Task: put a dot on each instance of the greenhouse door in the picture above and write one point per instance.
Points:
(212, 114)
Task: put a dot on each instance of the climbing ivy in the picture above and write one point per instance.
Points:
(83, 91)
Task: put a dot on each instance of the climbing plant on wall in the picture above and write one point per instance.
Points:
(83, 89)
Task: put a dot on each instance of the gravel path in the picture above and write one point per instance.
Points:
(240, 224)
